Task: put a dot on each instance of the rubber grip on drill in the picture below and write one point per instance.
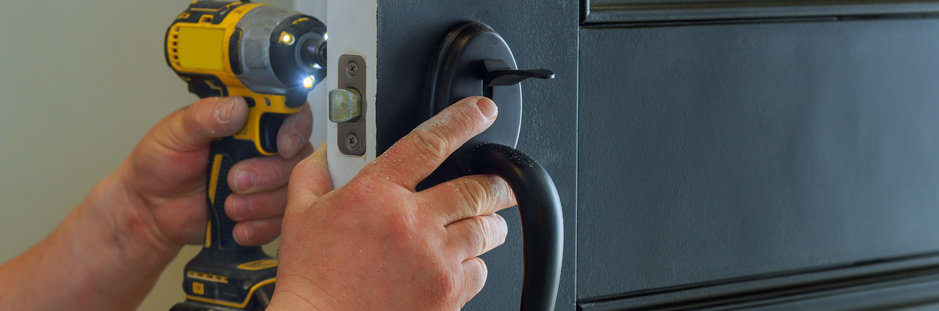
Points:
(225, 153)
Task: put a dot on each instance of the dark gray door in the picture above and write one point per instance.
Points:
(712, 154)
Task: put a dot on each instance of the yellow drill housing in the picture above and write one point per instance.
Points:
(262, 53)
(272, 57)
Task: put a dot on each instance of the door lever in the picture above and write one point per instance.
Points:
(498, 73)
(474, 60)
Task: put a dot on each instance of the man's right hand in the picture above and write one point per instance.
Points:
(376, 243)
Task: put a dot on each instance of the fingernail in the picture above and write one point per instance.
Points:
(223, 111)
(487, 107)
(247, 235)
(245, 180)
(240, 208)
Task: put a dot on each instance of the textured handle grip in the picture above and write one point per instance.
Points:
(542, 220)
(225, 153)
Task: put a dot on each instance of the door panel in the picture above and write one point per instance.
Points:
(631, 11)
(717, 151)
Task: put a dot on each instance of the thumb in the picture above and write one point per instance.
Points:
(194, 127)
(310, 178)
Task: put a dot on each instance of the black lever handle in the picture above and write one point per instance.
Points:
(498, 73)
(542, 220)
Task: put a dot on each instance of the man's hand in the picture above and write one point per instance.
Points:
(376, 244)
(111, 249)
(167, 171)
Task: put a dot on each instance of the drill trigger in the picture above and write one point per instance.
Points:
(268, 128)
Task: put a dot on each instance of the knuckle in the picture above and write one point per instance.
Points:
(481, 234)
(402, 225)
(448, 284)
(476, 195)
(348, 197)
(475, 275)
(204, 111)
(278, 175)
(305, 117)
(199, 112)
(468, 117)
(502, 232)
(286, 128)
(502, 189)
(297, 123)
(366, 186)
(481, 270)
(432, 143)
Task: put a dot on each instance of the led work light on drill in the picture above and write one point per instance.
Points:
(272, 57)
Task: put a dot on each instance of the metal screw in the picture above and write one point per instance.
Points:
(352, 68)
(352, 141)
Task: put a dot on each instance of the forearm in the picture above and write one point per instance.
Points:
(104, 256)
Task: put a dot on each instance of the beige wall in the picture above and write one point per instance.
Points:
(80, 83)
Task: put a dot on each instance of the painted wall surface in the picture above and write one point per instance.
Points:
(81, 82)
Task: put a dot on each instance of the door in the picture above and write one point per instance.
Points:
(708, 154)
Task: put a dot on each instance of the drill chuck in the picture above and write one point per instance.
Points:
(313, 53)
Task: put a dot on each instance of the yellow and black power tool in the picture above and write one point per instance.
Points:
(272, 57)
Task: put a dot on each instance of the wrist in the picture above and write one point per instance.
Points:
(288, 301)
(124, 225)
(300, 294)
(102, 242)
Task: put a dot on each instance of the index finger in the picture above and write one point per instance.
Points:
(419, 153)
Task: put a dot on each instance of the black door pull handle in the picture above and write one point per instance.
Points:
(542, 222)
(475, 60)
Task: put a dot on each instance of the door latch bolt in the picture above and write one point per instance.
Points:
(345, 105)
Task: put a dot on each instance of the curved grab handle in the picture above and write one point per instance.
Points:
(542, 221)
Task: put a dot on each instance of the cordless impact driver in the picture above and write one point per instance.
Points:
(272, 57)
